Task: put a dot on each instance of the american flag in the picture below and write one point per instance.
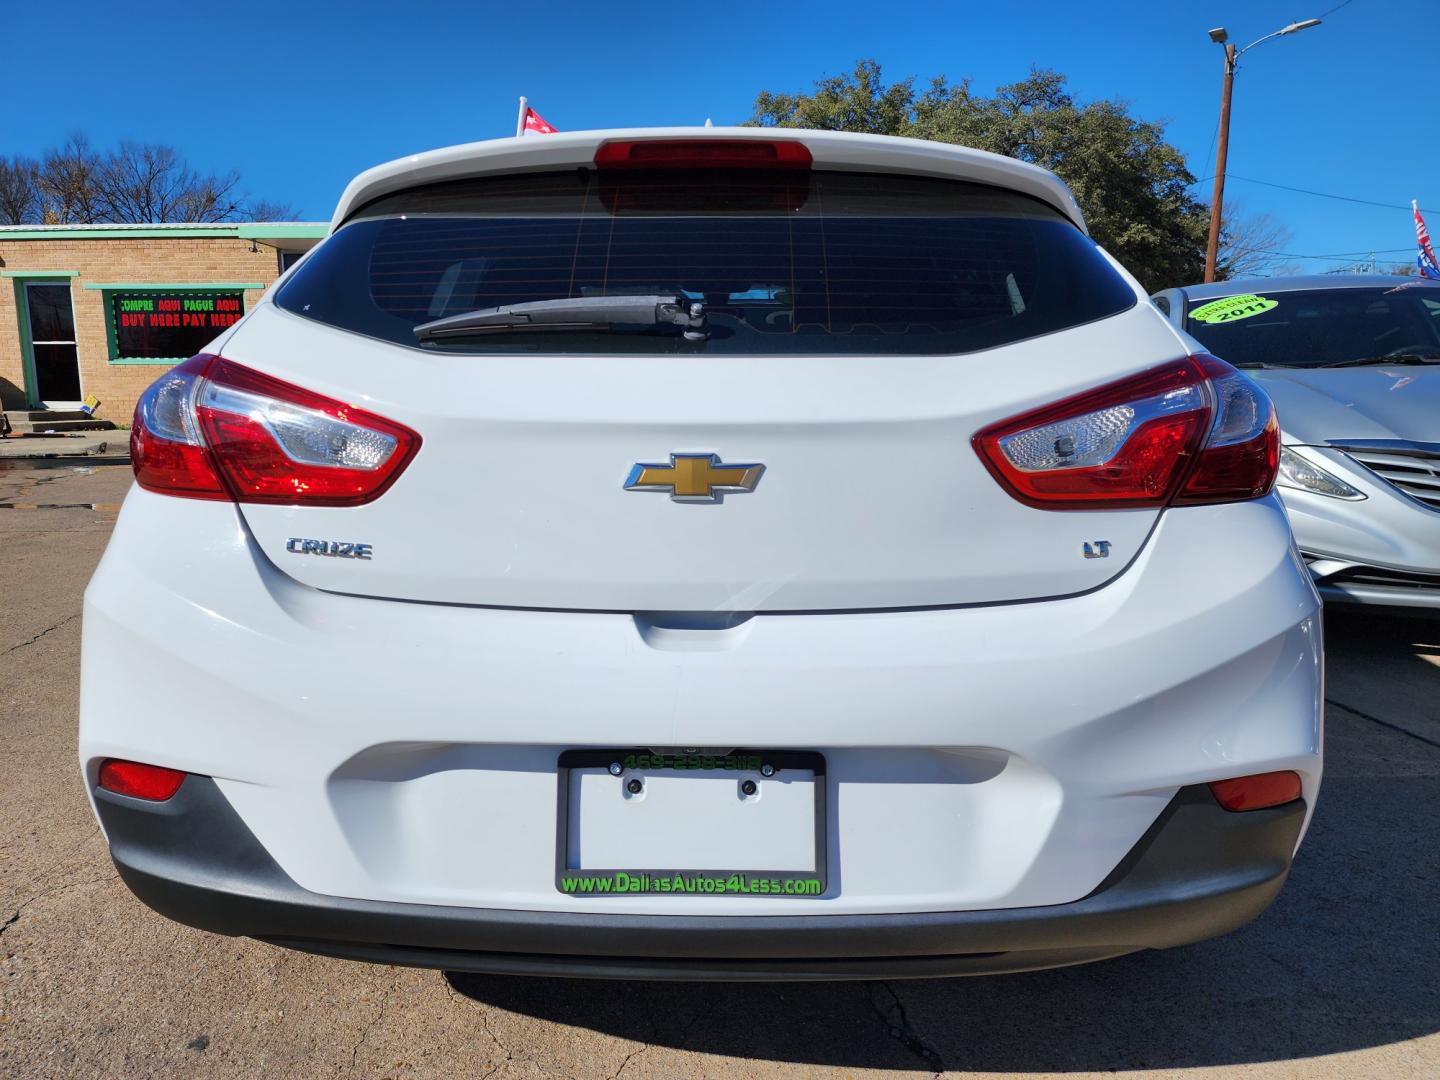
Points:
(1429, 267)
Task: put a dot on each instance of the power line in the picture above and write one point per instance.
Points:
(1339, 255)
(1337, 7)
(1210, 153)
(1320, 194)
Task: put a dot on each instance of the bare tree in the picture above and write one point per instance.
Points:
(19, 190)
(135, 183)
(267, 210)
(144, 182)
(1250, 244)
(67, 183)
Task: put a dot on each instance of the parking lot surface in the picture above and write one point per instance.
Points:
(1340, 978)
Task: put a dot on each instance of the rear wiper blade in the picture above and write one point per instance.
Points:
(1393, 358)
(579, 313)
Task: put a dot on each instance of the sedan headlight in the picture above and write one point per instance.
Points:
(1303, 475)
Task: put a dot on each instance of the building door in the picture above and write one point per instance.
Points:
(56, 361)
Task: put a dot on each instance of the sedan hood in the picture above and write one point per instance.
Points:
(1318, 405)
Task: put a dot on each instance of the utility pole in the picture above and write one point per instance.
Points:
(1222, 151)
(1222, 146)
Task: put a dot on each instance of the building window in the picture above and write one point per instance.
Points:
(168, 324)
(289, 259)
(51, 330)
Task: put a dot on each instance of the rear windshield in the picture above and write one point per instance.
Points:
(1319, 327)
(783, 263)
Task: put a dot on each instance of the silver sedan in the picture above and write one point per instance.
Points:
(1353, 365)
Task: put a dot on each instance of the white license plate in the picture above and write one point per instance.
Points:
(745, 823)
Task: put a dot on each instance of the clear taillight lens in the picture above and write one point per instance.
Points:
(213, 429)
(1192, 431)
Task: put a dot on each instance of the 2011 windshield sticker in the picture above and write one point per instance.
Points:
(1233, 308)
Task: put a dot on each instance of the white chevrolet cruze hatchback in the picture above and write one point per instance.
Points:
(707, 554)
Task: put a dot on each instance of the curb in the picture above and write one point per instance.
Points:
(32, 449)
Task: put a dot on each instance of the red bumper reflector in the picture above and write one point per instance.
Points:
(703, 154)
(1258, 791)
(153, 782)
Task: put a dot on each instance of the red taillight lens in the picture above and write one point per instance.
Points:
(1242, 453)
(1192, 431)
(213, 429)
(1128, 443)
(703, 154)
(152, 782)
(166, 450)
(1258, 791)
(280, 443)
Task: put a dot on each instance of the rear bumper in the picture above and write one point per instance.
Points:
(406, 753)
(1198, 872)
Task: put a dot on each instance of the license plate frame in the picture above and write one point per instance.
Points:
(788, 884)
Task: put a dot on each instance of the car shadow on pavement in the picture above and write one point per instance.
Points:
(1345, 960)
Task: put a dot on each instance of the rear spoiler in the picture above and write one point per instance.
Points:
(829, 150)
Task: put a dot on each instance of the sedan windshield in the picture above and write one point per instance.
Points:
(1320, 327)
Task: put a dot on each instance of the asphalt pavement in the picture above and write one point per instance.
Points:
(1341, 978)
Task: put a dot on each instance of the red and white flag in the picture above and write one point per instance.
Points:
(532, 123)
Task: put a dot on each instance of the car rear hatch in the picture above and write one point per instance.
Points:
(817, 439)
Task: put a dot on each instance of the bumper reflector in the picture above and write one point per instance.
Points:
(1258, 791)
(152, 782)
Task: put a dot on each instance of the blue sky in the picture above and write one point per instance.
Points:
(299, 96)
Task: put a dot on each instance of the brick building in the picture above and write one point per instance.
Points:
(98, 311)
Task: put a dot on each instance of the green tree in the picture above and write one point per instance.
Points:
(1133, 186)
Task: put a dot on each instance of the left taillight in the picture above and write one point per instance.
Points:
(1194, 431)
(214, 429)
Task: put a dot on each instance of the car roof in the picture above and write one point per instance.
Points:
(1302, 283)
(832, 150)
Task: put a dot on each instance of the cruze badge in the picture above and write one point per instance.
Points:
(695, 478)
(334, 549)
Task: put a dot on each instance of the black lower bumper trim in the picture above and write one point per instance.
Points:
(706, 969)
(1198, 872)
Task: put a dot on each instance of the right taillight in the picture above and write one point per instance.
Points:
(213, 429)
(1192, 431)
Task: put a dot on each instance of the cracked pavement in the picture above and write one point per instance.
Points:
(1337, 980)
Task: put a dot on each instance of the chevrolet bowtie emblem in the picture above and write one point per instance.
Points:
(698, 478)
